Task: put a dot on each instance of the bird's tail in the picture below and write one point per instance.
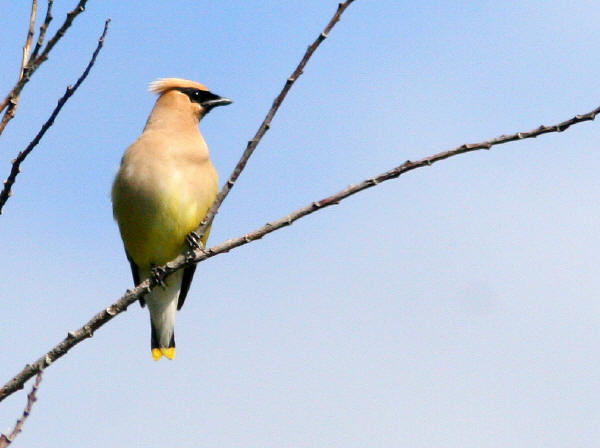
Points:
(162, 303)
(159, 351)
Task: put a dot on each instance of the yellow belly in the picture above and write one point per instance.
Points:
(155, 222)
(156, 240)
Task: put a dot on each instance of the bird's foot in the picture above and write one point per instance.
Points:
(157, 276)
(193, 241)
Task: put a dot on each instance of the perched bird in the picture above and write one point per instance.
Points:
(164, 187)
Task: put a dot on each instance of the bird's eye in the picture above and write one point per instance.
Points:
(197, 95)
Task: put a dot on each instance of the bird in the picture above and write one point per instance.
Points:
(164, 187)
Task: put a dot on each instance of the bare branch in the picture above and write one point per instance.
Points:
(16, 163)
(12, 99)
(266, 124)
(71, 15)
(86, 331)
(43, 30)
(14, 102)
(6, 440)
(30, 31)
(104, 316)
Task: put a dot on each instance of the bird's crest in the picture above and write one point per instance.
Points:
(163, 85)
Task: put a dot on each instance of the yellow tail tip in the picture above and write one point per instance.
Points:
(158, 353)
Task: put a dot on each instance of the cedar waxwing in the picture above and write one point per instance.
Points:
(164, 187)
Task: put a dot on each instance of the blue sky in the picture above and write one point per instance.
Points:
(455, 307)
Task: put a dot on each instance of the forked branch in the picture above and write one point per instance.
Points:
(16, 163)
(11, 100)
(86, 331)
(266, 124)
(43, 29)
(6, 440)
(75, 337)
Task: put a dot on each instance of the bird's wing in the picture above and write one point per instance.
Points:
(186, 281)
(136, 275)
(188, 274)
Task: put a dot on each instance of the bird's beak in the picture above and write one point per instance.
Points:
(218, 101)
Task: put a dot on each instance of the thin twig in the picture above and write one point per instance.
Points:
(43, 30)
(132, 296)
(10, 102)
(14, 101)
(266, 124)
(6, 440)
(30, 31)
(16, 163)
(71, 15)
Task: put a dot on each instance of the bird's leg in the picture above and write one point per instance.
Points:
(157, 276)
